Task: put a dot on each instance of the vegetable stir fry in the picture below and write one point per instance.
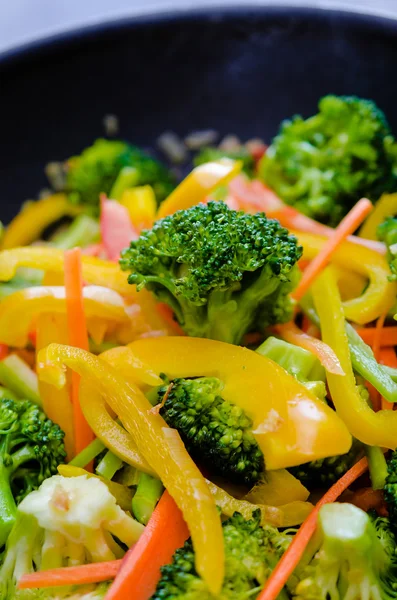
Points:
(198, 379)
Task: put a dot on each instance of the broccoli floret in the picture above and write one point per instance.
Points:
(67, 521)
(96, 169)
(355, 558)
(31, 448)
(324, 164)
(390, 490)
(387, 233)
(221, 271)
(215, 431)
(210, 153)
(251, 552)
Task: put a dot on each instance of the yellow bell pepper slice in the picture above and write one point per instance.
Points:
(57, 405)
(280, 487)
(380, 294)
(141, 205)
(385, 207)
(198, 184)
(33, 219)
(161, 446)
(290, 424)
(372, 428)
(19, 310)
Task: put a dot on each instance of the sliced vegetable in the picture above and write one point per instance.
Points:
(279, 488)
(82, 232)
(109, 465)
(19, 377)
(116, 229)
(385, 207)
(148, 493)
(388, 336)
(141, 205)
(88, 454)
(69, 576)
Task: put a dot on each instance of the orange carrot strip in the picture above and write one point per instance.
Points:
(168, 315)
(369, 499)
(140, 571)
(78, 337)
(4, 351)
(349, 224)
(388, 337)
(293, 555)
(291, 333)
(80, 575)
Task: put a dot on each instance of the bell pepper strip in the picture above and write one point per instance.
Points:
(349, 223)
(95, 270)
(292, 513)
(34, 218)
(141, 205)
(116, 228)
(292, 556)
(327, 357)
(373, 429)
(122, 493)
(280, 487)
(131, 367)
(140, 570)
(388, 337)
(198, 184)
(290, 424)
(16, 375)
(57, 405)
(380, 293)
(165, 454)
(252, 196)
(107, 430)
(70, 576)
(350, 283)
(385, 207)
(20, 310)
(362, 358)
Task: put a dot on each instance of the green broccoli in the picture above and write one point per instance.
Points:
(211, 153)
(215, 431)
(251, 553)
(67, 521)
(354, 558)
(31, 448)
(324, 164)
(390, 489)
(387, 233)
(96, 169)
(222, 272)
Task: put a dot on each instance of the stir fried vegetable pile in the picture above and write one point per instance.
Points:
(197, 381)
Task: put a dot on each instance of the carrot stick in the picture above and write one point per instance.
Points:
(168, 315)
(80, 575)
(140, 571)
(291, 333)
(293, 555)
(78, 337)
(388, 337)
(349, 224)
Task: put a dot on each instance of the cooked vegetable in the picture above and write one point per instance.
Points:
(31, 448)
(216, 432)
(355, 557)
(16, 374)
(221, 271)
(210, 154)
(97, 168)
(385, 207)
(83, 231)
(387, 232)
(390, 490)
(324, 164)
(67, 521)
(251, 552)
(148, 493)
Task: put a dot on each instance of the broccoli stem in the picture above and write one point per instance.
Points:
(128, 177)
(88, 454)
(109, 465)
(83, 231)
(6, 393)
(377, 466)
(19, 377)
(8, 508)
(148, 493)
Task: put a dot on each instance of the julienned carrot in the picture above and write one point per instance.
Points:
(168, 315)
(291, 333)
(4, 350)
(293, 555)
(80, 575)
(349, 224)
(78, 337)
(388, 337)
(140, 571)
(387, 356)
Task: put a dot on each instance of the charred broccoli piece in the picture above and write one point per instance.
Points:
(251, 553)
(221, 271)
(215, 431)
(211, 153)
(324, 164)
(96, 169)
